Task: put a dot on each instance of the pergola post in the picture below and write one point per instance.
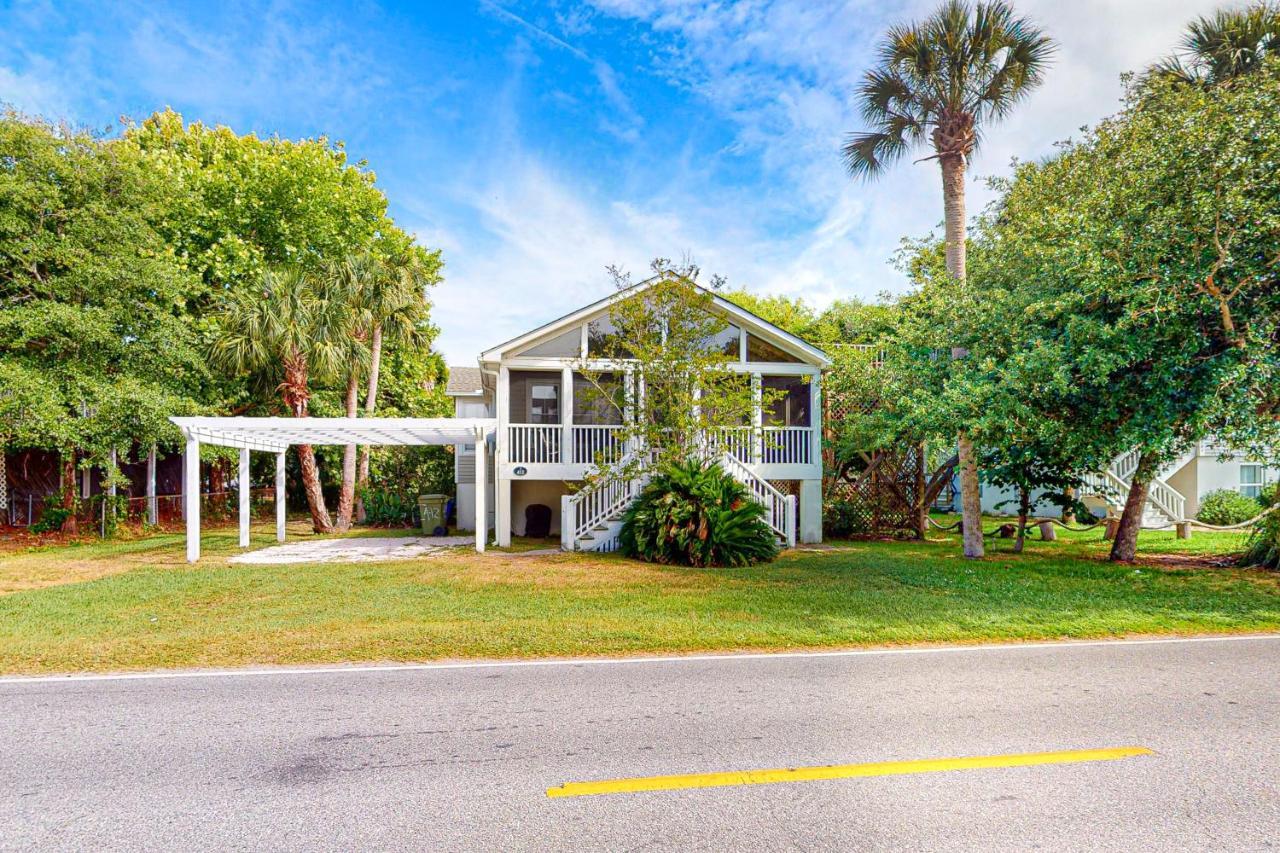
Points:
(482, 509)
(153, 507)
(244, 495)
(191, 497)
(280, 497)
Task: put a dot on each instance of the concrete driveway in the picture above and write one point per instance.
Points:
(463, 757)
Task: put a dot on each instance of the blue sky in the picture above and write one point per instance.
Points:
(535, 143)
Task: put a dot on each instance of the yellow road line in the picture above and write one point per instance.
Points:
(839, 771)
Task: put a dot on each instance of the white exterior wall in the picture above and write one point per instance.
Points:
(525, 493)
(465, 492)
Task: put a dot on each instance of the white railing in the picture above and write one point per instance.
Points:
(582, 513)
(738, 441)
(596, 443)
(788, 445)
(1113, 484)
(535, 444)
(779, 508)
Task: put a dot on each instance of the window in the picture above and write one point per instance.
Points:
(786, 400)
(544, 403)
(603, 341)
(598, 404)
(760, 350)
(725, 341)
(534, 397)
(1251, 480)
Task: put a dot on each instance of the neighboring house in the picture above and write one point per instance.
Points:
(1175, 493)
(546, 443)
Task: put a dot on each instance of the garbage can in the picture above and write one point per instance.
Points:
(431, 510)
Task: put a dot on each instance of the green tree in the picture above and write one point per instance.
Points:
(397, 312)
(294, 329)
(1219, 47)
(940, 83)
(96, 345)
(664, 369)
(1137, 273)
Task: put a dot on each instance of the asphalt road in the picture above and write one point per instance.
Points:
(460, 758)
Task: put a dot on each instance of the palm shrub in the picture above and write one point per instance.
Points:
(1263, 548)
(696, 514)
(1225, 506)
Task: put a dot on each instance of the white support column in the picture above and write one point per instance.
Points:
(566, 416)
(244, 491)
(757, 419)
(153, 505)
(482, 486)
(815, 419)
(810, 511)
(281, 508)
(191, 497)
(502, 485)
(115, 463)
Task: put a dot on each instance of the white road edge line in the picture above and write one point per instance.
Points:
(340, 669)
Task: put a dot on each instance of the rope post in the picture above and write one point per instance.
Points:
(1184, 529)
(1047, 533)
(1113, 525)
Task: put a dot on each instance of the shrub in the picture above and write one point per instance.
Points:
(51, 519)
(1263, 548)
(840, 520)
(1225, 506)
(389, 507)
(1267, 497)
(697, 515)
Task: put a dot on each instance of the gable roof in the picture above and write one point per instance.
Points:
(738, 315)
(464, 382)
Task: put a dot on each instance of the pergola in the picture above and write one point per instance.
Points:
(276, 435)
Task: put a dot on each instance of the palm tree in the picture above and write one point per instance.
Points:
(1226, 44)
(395, 307)
(293, 330)
(939, 83)
(346, 282)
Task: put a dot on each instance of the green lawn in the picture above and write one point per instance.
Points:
(131, 605)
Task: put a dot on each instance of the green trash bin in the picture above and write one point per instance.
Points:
(431, 510)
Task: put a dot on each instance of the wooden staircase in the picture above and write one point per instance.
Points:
(591, 520)
(1165, 504)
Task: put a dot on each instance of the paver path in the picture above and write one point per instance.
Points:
(354, 550)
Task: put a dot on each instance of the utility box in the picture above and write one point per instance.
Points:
(431, 510)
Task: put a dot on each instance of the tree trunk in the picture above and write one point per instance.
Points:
(68, 483)
(1024, 510)
(1069, 515)
(294, 390)
(315, 495)
(370, 403)
(1125, 546)
(953, 171)
(347, 494)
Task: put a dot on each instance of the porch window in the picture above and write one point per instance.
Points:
(787, 401)
(598, 403)
(603, 340)
(1251, 480)
(535, 397)
(762, 351)
(726, 342)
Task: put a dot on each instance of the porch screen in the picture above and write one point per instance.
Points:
(535, 397)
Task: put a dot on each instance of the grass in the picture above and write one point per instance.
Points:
(134, 605)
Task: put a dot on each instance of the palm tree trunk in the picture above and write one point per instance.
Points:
(320, 522)
(347, 494)
(370, 403)
(953, 171)
(295, 393)
(1125, 546)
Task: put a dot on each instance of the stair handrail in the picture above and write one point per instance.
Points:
(601, 501)
(778, 506)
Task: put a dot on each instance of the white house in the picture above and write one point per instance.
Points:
(1176, 492)
(549, 435)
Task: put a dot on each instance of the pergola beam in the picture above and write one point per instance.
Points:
(276, 435)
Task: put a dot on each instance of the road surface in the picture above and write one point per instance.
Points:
(463, 757)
